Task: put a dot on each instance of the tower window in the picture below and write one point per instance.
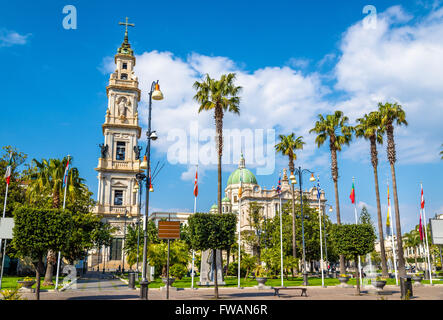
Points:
(118, 197)
(125, 65)
(121, 146)
(124, 76)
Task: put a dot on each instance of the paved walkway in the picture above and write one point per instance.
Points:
(98, 286)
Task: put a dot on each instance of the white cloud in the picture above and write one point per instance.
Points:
(10, 38)
(399, 61)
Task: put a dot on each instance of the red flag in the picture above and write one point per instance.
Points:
(352, 195)
(196, 185)
(420, 229)
(9, 170)
(422, 199)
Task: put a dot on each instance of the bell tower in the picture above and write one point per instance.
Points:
(117, 196)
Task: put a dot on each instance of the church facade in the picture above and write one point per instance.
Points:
(268, 199)
(118, 193)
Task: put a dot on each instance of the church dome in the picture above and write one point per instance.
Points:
(226, 199)
(214, 206)
(241, 171)
(248, 176)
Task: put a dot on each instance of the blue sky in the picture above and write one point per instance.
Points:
(316, 55)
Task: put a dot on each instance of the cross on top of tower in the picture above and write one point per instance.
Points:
(125, 48)
(126, 24)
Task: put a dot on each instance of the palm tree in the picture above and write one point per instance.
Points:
(287, 147)
(334, 127)
(369, 128)
(220, 96)
(47, 185)
(412, 240)
(393, 114)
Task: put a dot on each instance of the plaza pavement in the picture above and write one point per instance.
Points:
(98, 286)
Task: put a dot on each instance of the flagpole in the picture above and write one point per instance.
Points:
(193, 252)
(239, 239)
(281, 243)
(426, 238)
(356, 222)
(59, 253)
(239, 227)
(4, 214)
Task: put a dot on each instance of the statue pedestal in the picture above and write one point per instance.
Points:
(207, 270)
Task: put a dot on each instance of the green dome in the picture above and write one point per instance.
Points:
(248, 176)
(226, 199)
(214, 206)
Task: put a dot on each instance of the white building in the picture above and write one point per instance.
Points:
(117, 197)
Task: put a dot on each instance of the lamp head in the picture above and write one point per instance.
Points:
(144, 164)
(153, 136)
(312, 178)
(330, 209)
(157, 94)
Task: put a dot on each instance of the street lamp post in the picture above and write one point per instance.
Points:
(324, 233)
(299, 171)
(155, 94)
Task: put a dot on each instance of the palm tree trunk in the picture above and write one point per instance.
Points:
(291, 169)
(219, 132)
(50, 260)
(334, 170)
(401, 259)
(384, 266)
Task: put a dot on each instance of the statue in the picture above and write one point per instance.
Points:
(104, 150)
(207, 268)
(137, 150)
(122, 108)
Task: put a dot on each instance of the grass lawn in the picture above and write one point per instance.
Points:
(10, 282)
(232, 282)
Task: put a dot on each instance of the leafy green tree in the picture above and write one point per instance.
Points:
(354, 240)
(329, 128)
(365, 217)
(157, 255)
(46, 191)
(220, 96)
(212, 231)
(134, 235)
(255, 220)
(38, 230)
(288, 145)
(85, 230)
(16, 189)
(370, 128)
(392, 114)
(412, 240)
(249, 262)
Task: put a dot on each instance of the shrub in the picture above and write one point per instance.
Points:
(233, 269)
(178, 271)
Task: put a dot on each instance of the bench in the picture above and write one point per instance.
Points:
(303, 290)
